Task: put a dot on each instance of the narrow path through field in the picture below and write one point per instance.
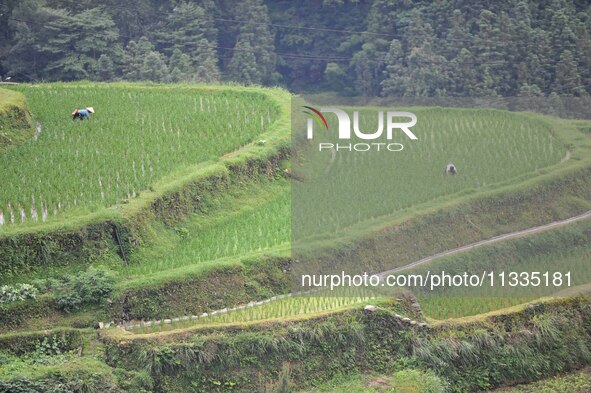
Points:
(506, 236)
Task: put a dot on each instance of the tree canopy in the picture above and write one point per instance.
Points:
(350, 47)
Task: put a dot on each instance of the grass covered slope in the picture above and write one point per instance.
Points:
(403, 381)
(566, 250)
(541, 339)
(416, 381)
(16, 125)
(576, 382)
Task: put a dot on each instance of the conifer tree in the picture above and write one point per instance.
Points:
(190, 30)
(243, 66)
(567, 80)
(154, 68)
(253, 35)
(134, 56)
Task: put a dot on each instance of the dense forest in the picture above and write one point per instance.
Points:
(350, 47)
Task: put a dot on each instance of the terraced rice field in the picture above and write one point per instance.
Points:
(137, 136)
(255, 219)
(288, 307)
(488, 147)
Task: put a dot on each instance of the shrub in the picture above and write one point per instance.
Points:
(46, 349)
(134, 381)
(5, 358)
(90, 287)
(20, 292)
(46, 284)
(74, 382)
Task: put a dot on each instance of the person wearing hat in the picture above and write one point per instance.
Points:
(451, 169)
(82, 113)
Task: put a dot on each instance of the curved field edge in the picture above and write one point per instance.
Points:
(231, 281)
(120, 229)
(16, 123)
(168, 202)
(399, 185)
(556, 193)
(478, 354)
(566, 247)
(565, 250)
(573, 382)
(559, 195)
(521, 344)
(518, 253)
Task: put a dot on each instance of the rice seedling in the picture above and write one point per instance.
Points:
(278, 308)
(137, 136)
(488, 147)
(250, 224)
(465, 301)
(445, 307)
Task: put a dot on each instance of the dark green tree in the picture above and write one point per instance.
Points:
(179, 64)
(583, 47)
(567, 80)
(526, 90)
(154, 68)
(79, 42)
(459, 37)
(206, 65)
(396, 73)
(427, 73)
(190, 30)
(26, 59)
(489, 55)
(134, 56)
(521, 40)
(560, 27)
(243, 66)
(105, 69)
(539, 61)
(446, 47)
(463, 74)
(253, 35)
(337, 77)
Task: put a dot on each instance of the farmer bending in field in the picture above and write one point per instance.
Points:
(82, 113)
(451, 169)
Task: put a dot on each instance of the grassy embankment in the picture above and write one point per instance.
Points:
(170, 277)
(503, 336)
(16, 124)
(558, 194)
